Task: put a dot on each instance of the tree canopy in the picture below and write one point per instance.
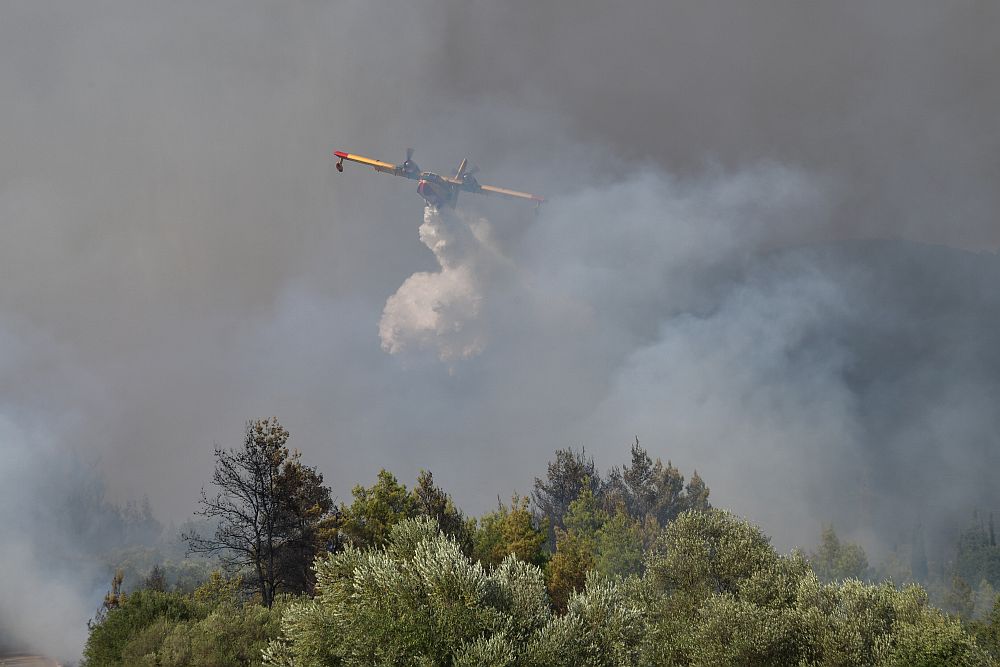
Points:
(639, 570)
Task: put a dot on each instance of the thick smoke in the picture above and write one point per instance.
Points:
(649, 289)
(178, 254)
(813, 381)
(51, 583)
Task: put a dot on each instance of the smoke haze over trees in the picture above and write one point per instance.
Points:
(178, 253)
(701, 588)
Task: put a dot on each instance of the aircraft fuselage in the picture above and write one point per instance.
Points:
(436, 191)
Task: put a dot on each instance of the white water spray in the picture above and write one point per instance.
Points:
(443, 310)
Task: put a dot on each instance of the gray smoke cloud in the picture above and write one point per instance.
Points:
(178, 254)
(54, 525)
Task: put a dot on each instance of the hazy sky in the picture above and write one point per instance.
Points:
(178, 254)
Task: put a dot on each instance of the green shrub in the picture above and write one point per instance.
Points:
(108, 639)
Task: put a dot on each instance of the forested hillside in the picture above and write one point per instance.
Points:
(630, 567)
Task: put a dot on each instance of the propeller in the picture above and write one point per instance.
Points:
(409, 166)
(469, 175)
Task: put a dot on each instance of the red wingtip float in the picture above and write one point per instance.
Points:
(438, 191)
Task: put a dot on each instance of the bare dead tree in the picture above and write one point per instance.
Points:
(255, 511)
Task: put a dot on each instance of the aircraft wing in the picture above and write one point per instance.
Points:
(385, 167)
(514, 194)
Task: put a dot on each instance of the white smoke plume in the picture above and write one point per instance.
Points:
(49, 574)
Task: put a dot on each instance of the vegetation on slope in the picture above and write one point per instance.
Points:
(633, 568)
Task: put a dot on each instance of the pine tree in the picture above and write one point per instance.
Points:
(432, 501)
(509, 530)
(567, 475)
(376, 509)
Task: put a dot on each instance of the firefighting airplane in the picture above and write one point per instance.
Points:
(437, 191)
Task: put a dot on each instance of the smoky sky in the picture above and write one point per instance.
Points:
(178, 254)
